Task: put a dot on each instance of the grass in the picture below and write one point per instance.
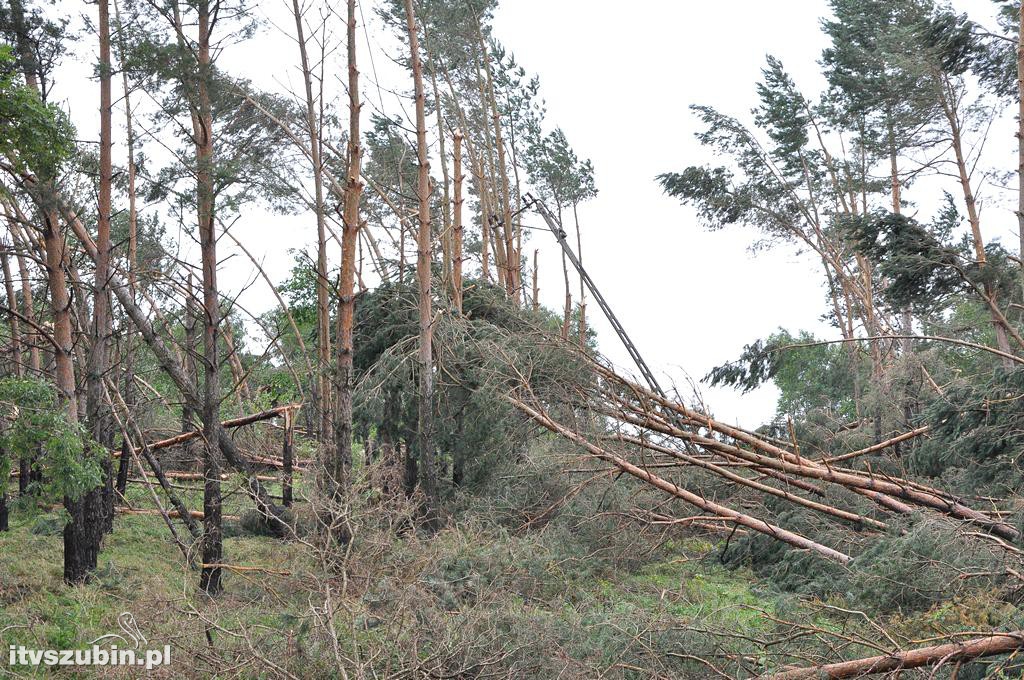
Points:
(582, 596)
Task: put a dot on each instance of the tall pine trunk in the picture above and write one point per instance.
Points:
(202, 131)
(99, 358)
(948, 108)
(457, 224)
(425, 436)
(342, 464)
(323, 311)
(1020, 135)
(82, 533)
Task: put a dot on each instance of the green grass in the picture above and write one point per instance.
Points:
(141, 571)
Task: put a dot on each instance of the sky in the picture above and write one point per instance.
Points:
(618, 80)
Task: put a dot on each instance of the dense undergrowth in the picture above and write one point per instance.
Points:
(519, 584)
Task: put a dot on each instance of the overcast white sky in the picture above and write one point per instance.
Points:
(619, 79)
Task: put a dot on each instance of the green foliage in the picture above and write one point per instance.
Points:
(475, 355)
(922, 271)
(816, 376)
(876, 84)
(785, 115)
(978, 427)
(754, 192)
(34, 424)
(559, 174)
(34, 136)
(917, 566)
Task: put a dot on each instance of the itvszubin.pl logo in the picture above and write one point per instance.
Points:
(128, 653)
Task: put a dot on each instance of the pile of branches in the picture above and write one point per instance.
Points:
(688, 455)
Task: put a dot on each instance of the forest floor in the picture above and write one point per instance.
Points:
(579, 592)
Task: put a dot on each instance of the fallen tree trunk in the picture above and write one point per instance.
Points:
(915, 658)
(194, 514)
(234, 422)
(760, 526)
(764, 488)
(794, 465)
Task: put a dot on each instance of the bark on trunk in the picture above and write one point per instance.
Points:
(100, 422)
(83, 532)
(1020, 136)
(948, 107)
(425, 438)
(340, 468)
(457, 224)
(202, 131)
(511, 255)
(693, 499)
(951, 653)
(536, 283)
(322, 288)
(24, 463)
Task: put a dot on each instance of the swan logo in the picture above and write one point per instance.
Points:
(127, 648)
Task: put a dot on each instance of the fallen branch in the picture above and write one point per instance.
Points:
(234, 422)
(914, 658)
(240, 568)
(194, 514)
(879, 446)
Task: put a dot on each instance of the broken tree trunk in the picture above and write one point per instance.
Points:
(668, 487)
